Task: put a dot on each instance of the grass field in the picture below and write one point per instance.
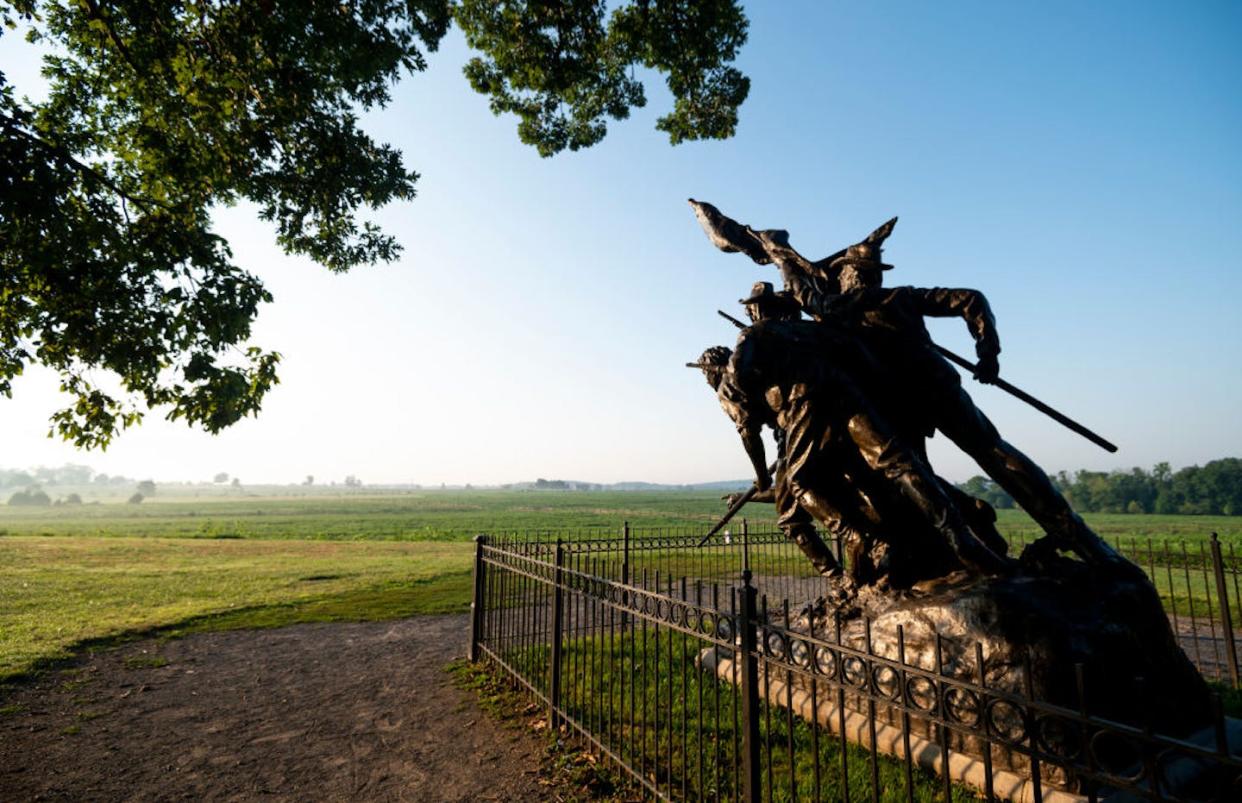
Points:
(74, 576)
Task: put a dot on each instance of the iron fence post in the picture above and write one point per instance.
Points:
(625, 552)
(476, 602)
(625, 568)
(1231, 650)
(558, 624)
(750, 690)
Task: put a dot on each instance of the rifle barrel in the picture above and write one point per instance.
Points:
(1019, 393)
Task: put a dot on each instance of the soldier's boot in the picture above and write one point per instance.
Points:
(1066, 531)
(821, 557)
(1074, 534)
(979, 516)
(972, 552)
(948, 521)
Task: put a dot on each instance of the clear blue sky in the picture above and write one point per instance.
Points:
(1078, 162)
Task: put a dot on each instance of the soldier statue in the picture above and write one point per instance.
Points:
(873, 526)
(846, 291)
(781, 375)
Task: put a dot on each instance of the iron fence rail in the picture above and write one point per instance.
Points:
(687, 670)
(1198, 582)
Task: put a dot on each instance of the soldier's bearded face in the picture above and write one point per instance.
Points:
(857, 277)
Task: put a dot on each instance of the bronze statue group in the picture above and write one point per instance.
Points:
(844, 372)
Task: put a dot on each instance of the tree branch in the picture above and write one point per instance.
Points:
(66, 157)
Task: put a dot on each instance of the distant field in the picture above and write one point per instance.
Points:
(74, 575)
(431, 515)
(452, 515)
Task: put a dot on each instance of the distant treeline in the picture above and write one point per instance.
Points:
(64, 475)
(1211, 489)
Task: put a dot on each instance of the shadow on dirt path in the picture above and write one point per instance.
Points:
(357, 711)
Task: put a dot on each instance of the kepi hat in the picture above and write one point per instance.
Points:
(712, 357)
(763, 292)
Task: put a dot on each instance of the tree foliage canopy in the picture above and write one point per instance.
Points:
(157, 113)
(562, 68)
(1214, 488)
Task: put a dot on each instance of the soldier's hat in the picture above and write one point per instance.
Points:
(763, 292)
(868, 251)
(713, 357)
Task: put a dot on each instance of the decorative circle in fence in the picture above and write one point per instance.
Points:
(800, 651)
(921, 693)
(776, 645)
(961, 706)
(854, 672)
(826, 661)
(1006, 721)
(1117, 756)
(886, 682)
(1059, 737)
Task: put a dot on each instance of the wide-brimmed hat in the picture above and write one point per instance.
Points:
(867, 252)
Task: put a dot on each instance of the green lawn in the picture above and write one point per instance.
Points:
(75, 575)
(58, 593)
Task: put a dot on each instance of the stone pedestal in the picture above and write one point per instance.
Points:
(1107, 618)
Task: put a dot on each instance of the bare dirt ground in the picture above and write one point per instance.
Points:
(310, 712)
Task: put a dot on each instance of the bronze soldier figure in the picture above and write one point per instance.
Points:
(764, 302)
(845, 288)
(779, 376)
(867, 521)
(891, 322)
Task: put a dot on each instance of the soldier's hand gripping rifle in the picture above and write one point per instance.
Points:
(737, 505)
(766, 247)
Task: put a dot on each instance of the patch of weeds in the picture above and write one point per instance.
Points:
(144, 661)
(72, 730)
(587, 778)
(577, 774)
(87, 716)
(73, 684)
(496, 697)
(10, 710)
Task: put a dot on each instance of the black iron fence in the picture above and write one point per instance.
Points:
(686, 668)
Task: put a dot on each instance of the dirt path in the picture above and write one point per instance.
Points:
(311, 712)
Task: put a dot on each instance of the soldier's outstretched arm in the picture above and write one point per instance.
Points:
(972, 307)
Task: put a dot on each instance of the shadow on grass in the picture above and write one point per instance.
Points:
(445, 593)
